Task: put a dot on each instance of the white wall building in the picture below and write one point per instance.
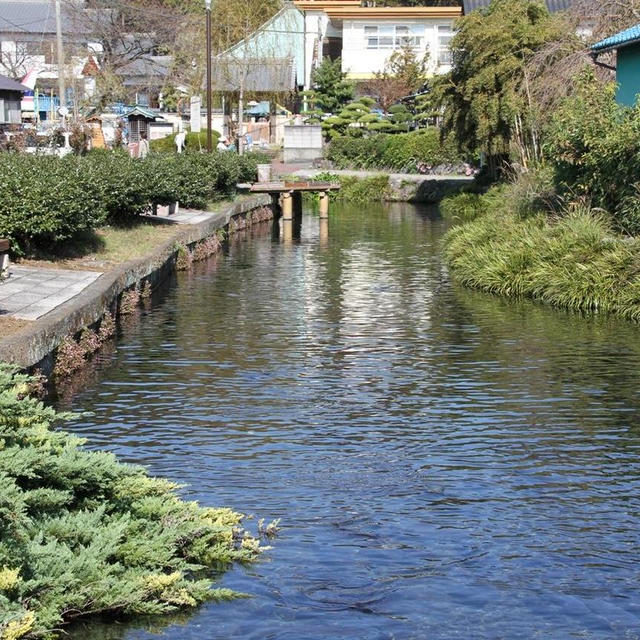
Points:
(365, 37)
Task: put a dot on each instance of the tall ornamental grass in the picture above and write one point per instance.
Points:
(81, 533)
(572, 261)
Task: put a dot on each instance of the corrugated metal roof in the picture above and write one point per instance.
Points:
(260, 75)
(7, 84)
(28, 17)
(552, 5)
(142, 111)
(153, 69)
(619, 40)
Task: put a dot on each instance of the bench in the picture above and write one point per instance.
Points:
(4, 257)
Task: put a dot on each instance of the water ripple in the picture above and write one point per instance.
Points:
(446, 464)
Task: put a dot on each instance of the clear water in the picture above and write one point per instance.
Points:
(446, 464)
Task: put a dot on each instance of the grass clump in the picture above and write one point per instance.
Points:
(574, 260)
(82, 533)
(355, 189)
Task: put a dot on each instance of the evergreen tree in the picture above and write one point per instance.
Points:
(484, 96)
(331, 89)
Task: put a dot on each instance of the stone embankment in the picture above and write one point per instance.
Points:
(404, 187)
(89, 315)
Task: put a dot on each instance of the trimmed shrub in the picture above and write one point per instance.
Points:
(81, 532)
(402, 152)
(45, 200)
(121, 182)
(192, 142)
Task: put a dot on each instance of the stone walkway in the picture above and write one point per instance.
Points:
(31, 292)
(184, 216)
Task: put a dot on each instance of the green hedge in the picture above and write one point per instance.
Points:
(82, 533)
(193, 142)
(401, 152)
(46, 200)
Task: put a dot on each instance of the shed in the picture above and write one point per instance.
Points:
(627, 46)
(139, 119)
(11, 93)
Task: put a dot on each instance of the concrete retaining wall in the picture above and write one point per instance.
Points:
(36, 343)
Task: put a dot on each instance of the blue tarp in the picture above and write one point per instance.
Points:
(261, 109)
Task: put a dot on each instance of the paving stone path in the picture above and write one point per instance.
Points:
(31, 292)
(184, 216)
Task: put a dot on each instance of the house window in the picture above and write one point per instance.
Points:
(27, 49)
(393, 36)
(444, 44)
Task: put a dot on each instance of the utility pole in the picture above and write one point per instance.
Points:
(209, 107)
(61, 83)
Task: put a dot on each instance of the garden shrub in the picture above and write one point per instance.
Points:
(46, 200)
(193, 142)
(81, 532)
(401, 152)
(593, 145)
(121, 182)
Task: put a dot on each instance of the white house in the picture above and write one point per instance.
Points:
(364, 37)
(306, 31)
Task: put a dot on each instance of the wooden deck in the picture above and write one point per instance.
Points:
(293, 187)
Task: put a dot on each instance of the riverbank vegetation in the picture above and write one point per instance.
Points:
(560, 226)
(81, 533)
(46, 201)
(354, 189)
(402, 152)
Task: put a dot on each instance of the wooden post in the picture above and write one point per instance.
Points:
(324, 204)
(287, 206)
(287, 231)
(297, 204)
(324, 232)
(275, 205)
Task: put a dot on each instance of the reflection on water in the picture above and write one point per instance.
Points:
(446, 464)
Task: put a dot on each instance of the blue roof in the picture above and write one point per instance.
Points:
(622, 39)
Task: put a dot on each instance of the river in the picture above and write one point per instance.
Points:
(445, 464)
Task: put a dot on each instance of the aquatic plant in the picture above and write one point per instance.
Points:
(129, 301)
(81, 533)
